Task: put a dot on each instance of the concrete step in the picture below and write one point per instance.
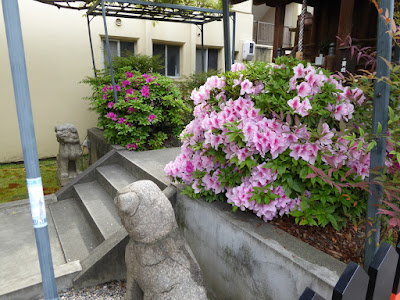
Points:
(113, 178)
(74, 231)
(99, 209)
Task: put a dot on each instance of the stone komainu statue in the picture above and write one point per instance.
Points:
(69, 158)
(160, 264)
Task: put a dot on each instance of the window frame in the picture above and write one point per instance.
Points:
(166, 59)
(206, 58)
(104, 46)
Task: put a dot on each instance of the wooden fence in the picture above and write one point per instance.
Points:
(381, 282)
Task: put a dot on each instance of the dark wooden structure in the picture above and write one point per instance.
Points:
(381, 282)
(331, 18)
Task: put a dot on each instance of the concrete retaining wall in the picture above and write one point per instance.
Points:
(242, 260)
(98, 145)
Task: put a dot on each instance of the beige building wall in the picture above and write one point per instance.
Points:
(58, 57)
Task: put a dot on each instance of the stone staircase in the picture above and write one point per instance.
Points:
(85, 217)
(86, 236)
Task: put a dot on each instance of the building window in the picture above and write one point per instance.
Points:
(118, 48)
(171, 56)
(210, 60)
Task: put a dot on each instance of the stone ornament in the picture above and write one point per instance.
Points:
(160, 264)
(69, 158)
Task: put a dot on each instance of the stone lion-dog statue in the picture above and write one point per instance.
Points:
(160, 264)
(69, 158)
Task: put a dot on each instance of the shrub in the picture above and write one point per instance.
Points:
(265, 136)
(140, 63)
(148, 110)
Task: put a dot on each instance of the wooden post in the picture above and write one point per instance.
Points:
(345, 26)
(278, 29)
(345, 18)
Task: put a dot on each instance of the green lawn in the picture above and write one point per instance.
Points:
(13, 180)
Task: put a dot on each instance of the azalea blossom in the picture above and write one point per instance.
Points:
(131, 146)
(237, 67)
(151, 118)
(145, 91)
(112, 116)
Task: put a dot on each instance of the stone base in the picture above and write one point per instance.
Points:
(64, 181)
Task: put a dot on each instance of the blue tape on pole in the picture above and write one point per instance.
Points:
(36, 199)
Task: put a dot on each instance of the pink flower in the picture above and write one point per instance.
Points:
(303, 89)
(104, 97)
(149, 79)
(151, 117)
(246, 87)
(131, 109)
(110, 104)
(145, 91)
(121, 120)
(131, 146)
(189, 167)
(129, 74)
(301, 108)
(112, 116)
(237, 67)
(125, 83)
(294, 103)
(129, 92)
(117, 88)
(299, 71)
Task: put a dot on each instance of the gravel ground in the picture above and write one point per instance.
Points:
(110, 290)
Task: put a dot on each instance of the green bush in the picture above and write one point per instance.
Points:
(149, 109)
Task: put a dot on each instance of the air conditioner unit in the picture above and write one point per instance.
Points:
(248, 50)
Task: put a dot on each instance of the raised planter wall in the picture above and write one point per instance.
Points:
(242, 259)
(98, 146)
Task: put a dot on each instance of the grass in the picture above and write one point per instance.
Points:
(13, 180)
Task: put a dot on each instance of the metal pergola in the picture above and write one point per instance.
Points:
(154, 11)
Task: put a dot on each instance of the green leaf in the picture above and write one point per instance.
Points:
(370, 146)
(379, 129)
(360, 144)
(333, 221)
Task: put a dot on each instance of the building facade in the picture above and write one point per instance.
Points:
(58, 57)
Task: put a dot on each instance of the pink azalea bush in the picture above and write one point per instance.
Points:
(148, 110)
(263, 136)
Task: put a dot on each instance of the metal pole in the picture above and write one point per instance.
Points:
(380, 116)
(203, 67)
(103, 9)
(225, 9)
(91, 45)
(233, 37)
(27, 133)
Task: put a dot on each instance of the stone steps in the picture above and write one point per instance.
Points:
(113, 178)
(76, 236)
(87, 223)
(99, 208)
